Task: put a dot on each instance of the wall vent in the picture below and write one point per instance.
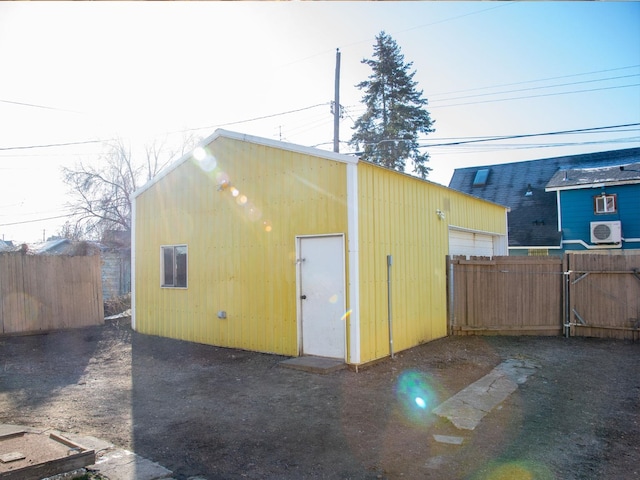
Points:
(606, 232)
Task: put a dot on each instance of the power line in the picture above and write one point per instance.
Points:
(33, 105)
(369, 39)
(458, 149)
(529, 135)
(34, 221)
(25, 147)
(537, 96)
(534, 81)
(538, 88)
(253, 119)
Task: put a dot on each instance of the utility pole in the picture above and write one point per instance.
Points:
(336, 106)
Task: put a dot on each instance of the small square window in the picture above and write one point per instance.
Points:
(174, 266)
(604, 203)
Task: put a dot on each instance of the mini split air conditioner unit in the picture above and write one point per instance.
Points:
(606, 232)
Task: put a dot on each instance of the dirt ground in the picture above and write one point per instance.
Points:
(228, 414)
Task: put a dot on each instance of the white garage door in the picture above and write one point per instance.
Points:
(470, 244)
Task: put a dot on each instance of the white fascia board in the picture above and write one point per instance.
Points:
(292, 147)
(316, 152)
(593, 185)
(482, 232)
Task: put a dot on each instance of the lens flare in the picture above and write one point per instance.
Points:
(222, 177)
(416, 396)
(346, 315)
(333, 298)
(516, 470)
(253, 213)
(199, 154)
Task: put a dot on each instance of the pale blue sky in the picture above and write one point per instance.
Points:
(140, 70)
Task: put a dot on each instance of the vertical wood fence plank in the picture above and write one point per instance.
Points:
(509, 295)
(39, 293)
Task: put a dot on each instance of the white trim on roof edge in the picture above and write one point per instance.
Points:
(267, 142)
(584, 186)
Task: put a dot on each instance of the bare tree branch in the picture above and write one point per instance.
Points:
(101, 196)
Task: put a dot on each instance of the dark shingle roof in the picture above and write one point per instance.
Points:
(577, 177)
(533, 219)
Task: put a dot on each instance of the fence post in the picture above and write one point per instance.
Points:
(566, 325)
(450, 297)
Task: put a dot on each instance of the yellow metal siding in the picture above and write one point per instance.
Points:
(241, 243)
(397, 216)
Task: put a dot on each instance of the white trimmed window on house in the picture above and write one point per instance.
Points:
(605, 204)
(174, 266)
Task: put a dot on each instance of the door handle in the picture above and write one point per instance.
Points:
(303, 297)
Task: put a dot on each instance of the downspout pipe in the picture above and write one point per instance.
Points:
(389, 317)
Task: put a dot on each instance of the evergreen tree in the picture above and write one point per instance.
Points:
(387, 133)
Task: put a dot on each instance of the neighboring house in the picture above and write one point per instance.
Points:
(534, 224)
(116, 263)
(115, 255)
(599, 208)
(262, 245)
(6, 246)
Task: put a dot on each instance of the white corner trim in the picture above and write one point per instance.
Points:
(559, 211)
(354, 265)
(133, 263)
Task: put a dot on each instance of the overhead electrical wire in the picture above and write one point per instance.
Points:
(529, 135)
(67, 144)
(533, 81)
(536, 88)
(210, 127)
(536, 96)
(34, 221)
(33, 105)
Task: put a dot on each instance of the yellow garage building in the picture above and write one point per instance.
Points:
(262, 245)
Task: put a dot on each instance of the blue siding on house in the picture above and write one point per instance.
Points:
(577, 212)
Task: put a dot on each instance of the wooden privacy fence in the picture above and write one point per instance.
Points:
(604, 295)
(39, 293)
(577, 294)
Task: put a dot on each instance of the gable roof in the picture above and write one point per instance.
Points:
(533, 217)
(316, 152)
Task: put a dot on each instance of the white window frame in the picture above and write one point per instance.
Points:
(605, 204)
(174, 273)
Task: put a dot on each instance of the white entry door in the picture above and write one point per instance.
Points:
(322, 296)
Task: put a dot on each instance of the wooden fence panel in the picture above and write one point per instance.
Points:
(604, 295)
(40, 293)
(506, 296)
(593, 294)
